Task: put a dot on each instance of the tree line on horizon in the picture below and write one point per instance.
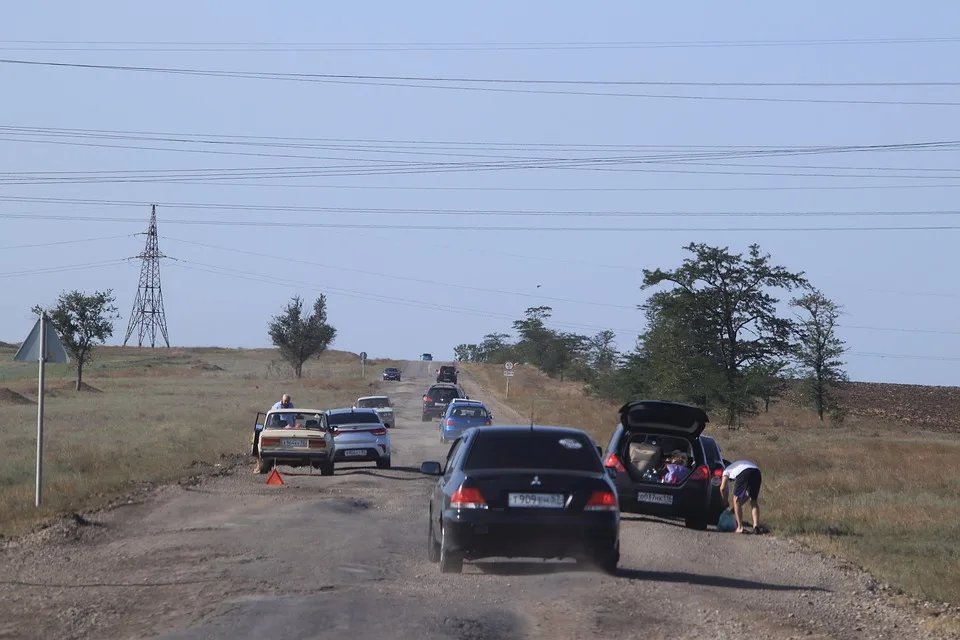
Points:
(715, 336)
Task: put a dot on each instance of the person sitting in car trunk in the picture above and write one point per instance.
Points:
(676, 468)
(746, 486)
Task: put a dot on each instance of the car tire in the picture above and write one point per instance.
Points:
(383, 463)
(264, 466)
(327, 469)
(433, 547)
(698, 522)
(608, 560)
(450, 561)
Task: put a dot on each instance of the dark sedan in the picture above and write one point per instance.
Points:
(522, 492)
(391, 373)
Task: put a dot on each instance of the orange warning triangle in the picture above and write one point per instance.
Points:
(274, 478)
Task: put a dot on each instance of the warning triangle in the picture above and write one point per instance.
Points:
(274, 478)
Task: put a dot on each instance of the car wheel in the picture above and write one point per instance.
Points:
(263, 466)
(327, 469)
(383, 463)
(433, 547)
(450, 561)
(608, 560)
(698, 522)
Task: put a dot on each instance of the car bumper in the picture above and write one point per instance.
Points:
(486, 535)
(686, 501)
(288, 457)
(434, 411)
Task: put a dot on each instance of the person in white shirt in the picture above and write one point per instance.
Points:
(746, 486)
(286, 402)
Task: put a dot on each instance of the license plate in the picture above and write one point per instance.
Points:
(293, 443)
(536, 500)
(658, 498)
(355, 452)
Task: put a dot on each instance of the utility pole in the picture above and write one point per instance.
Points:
(148, 315)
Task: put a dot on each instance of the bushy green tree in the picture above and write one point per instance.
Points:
(299, 336)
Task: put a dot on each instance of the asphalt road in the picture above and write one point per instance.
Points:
(345, 556)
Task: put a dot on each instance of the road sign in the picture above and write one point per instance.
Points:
(43, 345)
(30, 350)
(363, 356)
(508, 373)
(508, 366)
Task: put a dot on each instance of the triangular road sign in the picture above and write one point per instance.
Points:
(274, 478)
(29, 351)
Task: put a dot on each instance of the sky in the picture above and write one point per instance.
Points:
(484, 198)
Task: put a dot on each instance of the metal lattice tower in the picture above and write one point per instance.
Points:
(148, 315)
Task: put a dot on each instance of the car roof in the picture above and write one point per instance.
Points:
(465, 401)
(391, 369)
(373, 398)
(519, 428)
(295, 410)
(349, 410)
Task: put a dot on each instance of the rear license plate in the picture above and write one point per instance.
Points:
(536, 500)
(355, 452)
(657, 498)
(293, 443)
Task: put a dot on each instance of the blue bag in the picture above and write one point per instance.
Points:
(728, 522)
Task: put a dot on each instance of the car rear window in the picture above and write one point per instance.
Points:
(468, 412)
(353, 417)
(532, 450)
(443, 394)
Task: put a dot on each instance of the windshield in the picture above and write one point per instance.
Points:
(353, 417)
(292, 420)
(373, 403)
(532, 450)
(468, 412)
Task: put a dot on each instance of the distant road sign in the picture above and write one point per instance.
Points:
(508, 366)
(508, 373)
(363, 356)
(29, 351)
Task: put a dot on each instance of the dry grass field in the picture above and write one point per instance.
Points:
(879, 489)
(147, 415)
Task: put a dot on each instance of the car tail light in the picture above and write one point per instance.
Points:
(613, 461)
(467, 498)
(701, 473)
(601, 501)
(717, 473)
(487, 423)
(379, 432)
(318, 443)
(427, 399)
(449, 422)
(269, 442)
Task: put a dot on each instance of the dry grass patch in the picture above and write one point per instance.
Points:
(876, 491)
(156, 415)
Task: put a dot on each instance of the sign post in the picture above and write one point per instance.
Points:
(43, 344)
(508, 373)
(363, 362)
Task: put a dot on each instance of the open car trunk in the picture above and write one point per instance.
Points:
(650, 458)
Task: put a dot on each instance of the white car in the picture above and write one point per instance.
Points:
(359, 436)
(380, 404)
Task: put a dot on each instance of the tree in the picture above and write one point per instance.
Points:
(84, 322)
(298, 337)
(535, 339)
(722, 301)
(603, 351)
(818, 349)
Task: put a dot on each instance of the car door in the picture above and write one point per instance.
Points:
(440, 497)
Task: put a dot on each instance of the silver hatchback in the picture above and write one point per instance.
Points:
(359, 435)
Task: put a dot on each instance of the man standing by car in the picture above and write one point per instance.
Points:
(746, 486)
(286, 402)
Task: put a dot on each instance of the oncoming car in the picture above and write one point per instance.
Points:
(391, 373)
(380, 404)
(359, 436)
(522, 492)
(462, 415)
(426, 356)
(294, 438)
(659, 462)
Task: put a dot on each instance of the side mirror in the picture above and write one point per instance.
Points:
(431, 468)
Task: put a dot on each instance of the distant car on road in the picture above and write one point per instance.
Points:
(447, 373)
(359, 436)
(522, 492)
(437, 397)
(426, 356)
(292, 437)
(651, 432)
(391, 373)
(462, 415)
(380, 404)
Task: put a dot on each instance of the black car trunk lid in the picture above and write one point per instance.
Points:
(529, 490)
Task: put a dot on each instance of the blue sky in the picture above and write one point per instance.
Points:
(396, 292)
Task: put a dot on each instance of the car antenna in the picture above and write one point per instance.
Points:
(533, 406)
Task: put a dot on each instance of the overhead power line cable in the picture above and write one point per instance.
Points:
(518, 85)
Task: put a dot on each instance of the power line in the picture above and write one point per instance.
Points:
(200, 46)
(440, 227)
(421, 82)
(61, 242)
(64, 268)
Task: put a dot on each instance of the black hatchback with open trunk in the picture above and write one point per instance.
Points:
(661, 467)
